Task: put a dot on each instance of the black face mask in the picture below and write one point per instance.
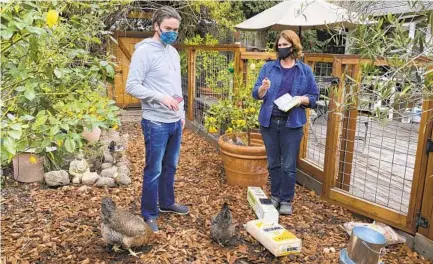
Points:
(285, 52)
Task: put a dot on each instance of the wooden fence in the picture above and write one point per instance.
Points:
(348, 165)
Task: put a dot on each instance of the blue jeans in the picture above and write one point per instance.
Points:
(162, 142)
(282, 148)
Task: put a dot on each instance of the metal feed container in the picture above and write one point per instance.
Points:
(344, 258)
(365, 245)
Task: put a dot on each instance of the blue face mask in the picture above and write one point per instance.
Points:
(168, 37)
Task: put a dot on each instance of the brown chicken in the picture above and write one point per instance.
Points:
(120, 227)
(222, 229)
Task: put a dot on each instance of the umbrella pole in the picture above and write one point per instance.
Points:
(300, 40)
(299, 33)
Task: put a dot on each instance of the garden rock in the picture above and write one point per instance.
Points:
(109, 173)
(95, 164)
(106, 166)
(108, 158)
(57, 178)
(122, 164)
(123, 179)
(124, 169)
(105, 182)
(89, 178)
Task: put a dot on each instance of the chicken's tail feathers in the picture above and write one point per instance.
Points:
(107, 208)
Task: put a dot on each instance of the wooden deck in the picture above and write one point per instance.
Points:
(383, 163)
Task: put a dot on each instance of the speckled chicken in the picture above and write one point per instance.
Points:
(222, 229)
(120, 227)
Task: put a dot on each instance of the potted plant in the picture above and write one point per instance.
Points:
(242, 150)
(28, 167)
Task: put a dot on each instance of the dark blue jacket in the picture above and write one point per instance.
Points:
(303, 85)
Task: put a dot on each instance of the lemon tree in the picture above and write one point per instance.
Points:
(238, 115)
(54, 74)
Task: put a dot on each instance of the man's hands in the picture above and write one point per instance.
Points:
(171, 103)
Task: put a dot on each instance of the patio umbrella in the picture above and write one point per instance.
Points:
(300, 14)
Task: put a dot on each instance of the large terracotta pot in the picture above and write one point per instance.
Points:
(244, 165)
(28, 167)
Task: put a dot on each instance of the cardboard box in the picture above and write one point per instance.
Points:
(274, 237)
(261, 205)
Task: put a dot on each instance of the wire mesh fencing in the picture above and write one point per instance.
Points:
(319, 115)
(214, 81)
(377, 136)
(378, 144)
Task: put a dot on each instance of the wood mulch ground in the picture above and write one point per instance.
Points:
(45, 225)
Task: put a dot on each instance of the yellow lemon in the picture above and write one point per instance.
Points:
(33, 159)
(241, 122)
(213, 129)
(115, 127)
(52, 18)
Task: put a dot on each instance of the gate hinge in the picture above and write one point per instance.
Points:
(421, 221)
(429, 147)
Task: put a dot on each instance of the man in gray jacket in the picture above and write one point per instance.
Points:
(154, 78)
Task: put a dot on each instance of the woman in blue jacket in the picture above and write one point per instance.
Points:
(282, 131)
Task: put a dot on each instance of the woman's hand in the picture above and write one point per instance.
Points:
(303, 100)
(266, 84)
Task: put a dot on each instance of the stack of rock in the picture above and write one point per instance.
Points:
(114, 169)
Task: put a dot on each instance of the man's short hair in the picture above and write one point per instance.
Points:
(164, 12)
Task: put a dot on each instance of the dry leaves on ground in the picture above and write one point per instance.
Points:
(43, 225)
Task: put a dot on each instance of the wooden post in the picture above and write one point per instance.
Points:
(422, 189)
(191, 82)
(238, 67)
(304, 142)
(427, 198)
(347, 141)
(119, 86)
(421, 170)
(333, 132)
(244, 73)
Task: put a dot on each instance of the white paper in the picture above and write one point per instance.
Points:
(286, 102)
